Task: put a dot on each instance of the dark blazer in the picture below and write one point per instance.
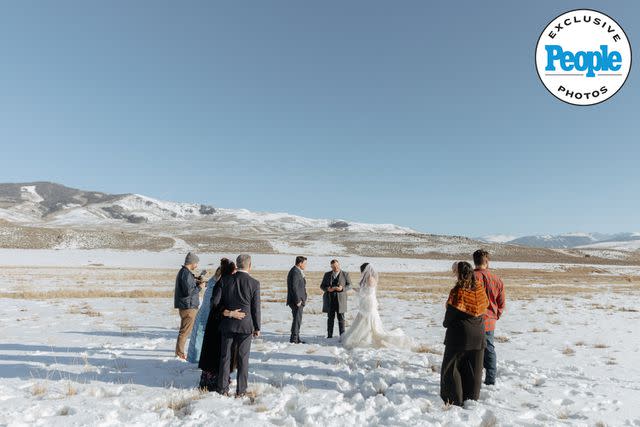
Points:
(343, 280)
(296, 287)
(239, 291)
(464, 332)
(187, 291)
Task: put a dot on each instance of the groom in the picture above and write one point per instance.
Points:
(297, 296)
(335, 285)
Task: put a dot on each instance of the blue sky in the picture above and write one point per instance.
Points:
(423, 114)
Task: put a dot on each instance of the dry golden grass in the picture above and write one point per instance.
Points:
(178, 404)
(71, 390)
(568, 351)
(38, 389)
(425, 348)
(84, 309)
(85, 294)
(539, 330)
(47, 283)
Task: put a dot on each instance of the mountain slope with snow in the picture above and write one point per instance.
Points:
(43, 215)
(53, 204)
(565, 240)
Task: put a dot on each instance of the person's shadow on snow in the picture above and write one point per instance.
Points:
(117, 363)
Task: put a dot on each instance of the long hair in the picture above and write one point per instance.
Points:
(226, 267)
(466, 277)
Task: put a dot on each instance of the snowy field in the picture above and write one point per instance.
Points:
(566, 360)
(147, 259)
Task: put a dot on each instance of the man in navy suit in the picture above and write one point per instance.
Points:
(297, 296)
(238, 291)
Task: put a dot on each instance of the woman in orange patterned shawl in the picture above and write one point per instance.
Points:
(461, 372)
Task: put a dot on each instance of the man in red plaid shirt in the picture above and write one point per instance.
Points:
(495, 292)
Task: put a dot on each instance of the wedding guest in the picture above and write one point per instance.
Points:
(335, 285)
(186, 300)
(297, 296)
(238, 292)
(461, 371)
(197, 333)
(495, 292)
(210, 354)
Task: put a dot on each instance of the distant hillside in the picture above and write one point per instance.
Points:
(568, 240)
(48, 215)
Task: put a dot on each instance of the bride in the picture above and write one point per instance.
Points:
(367, 329)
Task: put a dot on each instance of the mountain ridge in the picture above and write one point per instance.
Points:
(46, 215)
(567, 240)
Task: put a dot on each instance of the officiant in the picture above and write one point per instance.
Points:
(335, 285)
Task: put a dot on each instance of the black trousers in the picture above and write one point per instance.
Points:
(295, 324)
(333, 313)
(243, 342)
(461, 375)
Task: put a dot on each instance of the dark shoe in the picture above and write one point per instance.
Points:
(329, 336)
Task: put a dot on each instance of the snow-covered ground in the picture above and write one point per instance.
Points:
(564, 361)
(559, 364)
(632, 245)
(167, 259)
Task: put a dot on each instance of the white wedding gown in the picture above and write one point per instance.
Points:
(367, 329)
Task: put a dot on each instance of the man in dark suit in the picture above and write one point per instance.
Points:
(241, 292)
(297, 296)
(335, 285)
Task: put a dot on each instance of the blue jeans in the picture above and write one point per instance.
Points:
(490, 359)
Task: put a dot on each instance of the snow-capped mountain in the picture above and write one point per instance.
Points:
(44, 215)
(41, 203)
(567, 240)
(496, 238)
(48, 215)
(561, 241)
(620, 242)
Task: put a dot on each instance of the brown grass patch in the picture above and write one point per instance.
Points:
(85, 294)
(538, 330)
(105, 282)
(71, 390)
(425, 348)
(179, 405)
(568, 351)
(38, 389)
(84, 309)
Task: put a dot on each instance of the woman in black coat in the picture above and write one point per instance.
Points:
(210, 354)
(461, 372)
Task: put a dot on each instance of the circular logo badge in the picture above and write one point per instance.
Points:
(583, 57)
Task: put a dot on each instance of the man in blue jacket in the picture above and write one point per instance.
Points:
(186, 300)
